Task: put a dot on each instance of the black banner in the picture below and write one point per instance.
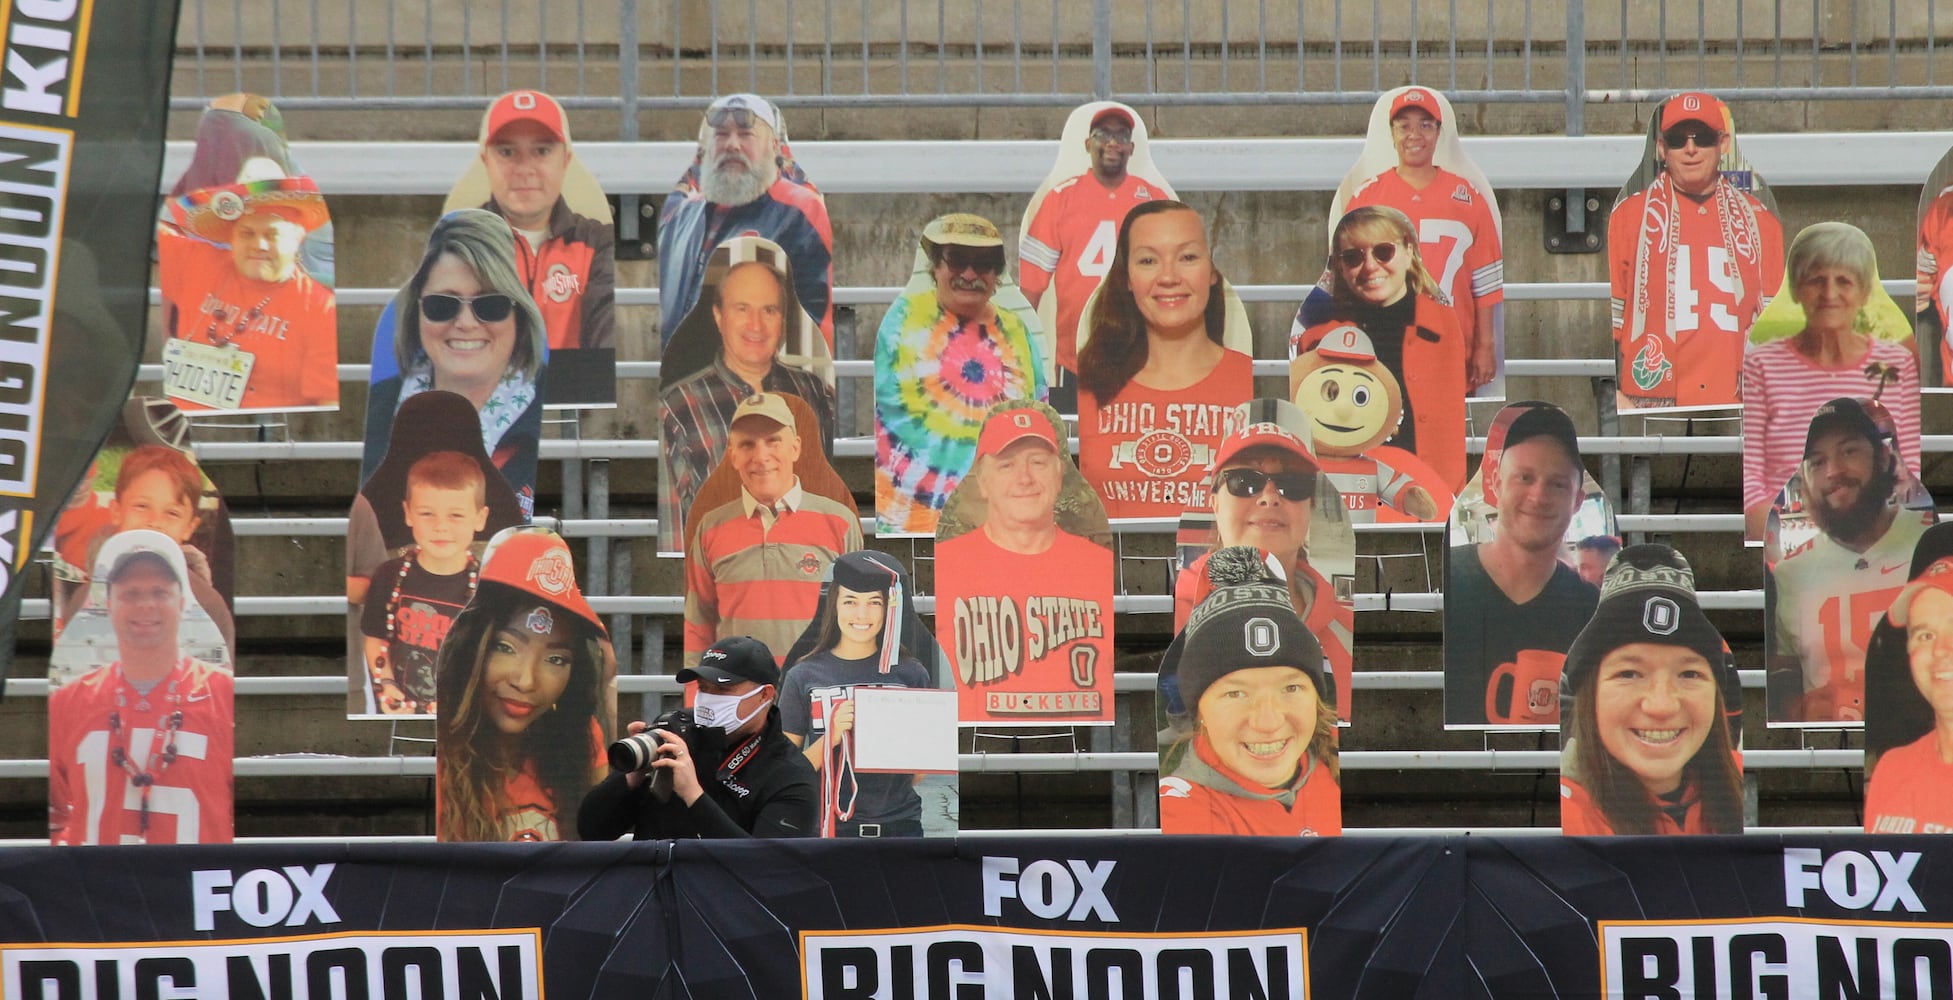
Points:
(84, 88)
(980, 918)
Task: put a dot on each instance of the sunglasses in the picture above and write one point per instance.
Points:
(740, 118)
(1352, 258)
(492, 308)
(1247, 483)
(978, 262)
(1681, 135)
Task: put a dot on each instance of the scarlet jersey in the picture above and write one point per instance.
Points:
(1936, 286)
(290, 328)
(1910, 790)
(1069, 247)
(1030, 636)
(1149, 452)
(1827, 601)
(1581, 817)
(1456, 236)
(103, 734)
(1724, 273)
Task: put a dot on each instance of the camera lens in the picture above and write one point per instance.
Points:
(634, 753)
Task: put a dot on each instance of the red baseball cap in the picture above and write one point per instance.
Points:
(1695, 106)
(537, 562)
(1347, 342)
(1120, 113)
(525, 106)
(1419, 98)
(1938, 576)
(1008, 427)
(1265, 433)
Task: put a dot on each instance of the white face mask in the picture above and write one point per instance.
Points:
(721, 711)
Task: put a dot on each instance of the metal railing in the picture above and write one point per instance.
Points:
(632, 56)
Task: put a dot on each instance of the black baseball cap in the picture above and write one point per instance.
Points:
(1847, 415)
(1539, 419)
(733, 659)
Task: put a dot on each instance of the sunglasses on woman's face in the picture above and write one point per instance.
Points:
(491, 308)
(1352, 258)
(1681, 135)
(1248, 483)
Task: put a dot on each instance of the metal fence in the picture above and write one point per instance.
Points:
(636, 55)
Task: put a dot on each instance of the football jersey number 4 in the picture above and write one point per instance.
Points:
(1096, 259)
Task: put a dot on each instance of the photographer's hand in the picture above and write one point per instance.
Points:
(675, 757)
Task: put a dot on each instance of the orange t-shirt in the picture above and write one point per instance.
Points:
(1150, 453)
(1910, 790)
(290, 328)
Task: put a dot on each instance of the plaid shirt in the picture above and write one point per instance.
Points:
(698, 414)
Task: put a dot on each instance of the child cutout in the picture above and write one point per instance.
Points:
(428, 585)
(1354, 405)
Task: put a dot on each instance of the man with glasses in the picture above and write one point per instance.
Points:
(751, 308)
(741, 185)
(1511, 600)
(1693, 261)
(1457, 236)
(1069, 244)
(945, 354)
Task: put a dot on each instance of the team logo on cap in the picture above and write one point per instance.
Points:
(1661, 616)
(1414, 96)
(1260, 637)
(540, 621)
(524, 100)
(1269, 429)
(552, 572)
(227, 205)
(1021, 420)
(1690, 102)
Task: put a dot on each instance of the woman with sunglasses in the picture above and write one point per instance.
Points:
(465, 323)
(1264, 495)
(1156, 385)
(1380, 284)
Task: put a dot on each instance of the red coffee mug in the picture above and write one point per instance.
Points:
(1529, 690)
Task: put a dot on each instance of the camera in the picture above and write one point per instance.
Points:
(635, 753)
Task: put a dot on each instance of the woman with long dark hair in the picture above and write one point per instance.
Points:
(1156, 348)
(524, 681)
(1648, 745)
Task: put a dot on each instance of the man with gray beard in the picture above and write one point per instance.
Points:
(1826, 595)
(743, 183)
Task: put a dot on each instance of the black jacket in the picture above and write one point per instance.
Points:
(773, 792)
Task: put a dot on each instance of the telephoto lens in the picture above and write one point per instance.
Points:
(634, 753)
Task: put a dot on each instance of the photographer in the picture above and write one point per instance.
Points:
(759, 785)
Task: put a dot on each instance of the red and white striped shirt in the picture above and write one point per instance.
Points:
(1782, 390)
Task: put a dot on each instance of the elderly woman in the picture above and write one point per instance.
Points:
(1647, 744)
(465, 323)
(1833, 272)
(1156, 350)
(1261, 757)
(1380, 284)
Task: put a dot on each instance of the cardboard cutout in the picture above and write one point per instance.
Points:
(498, 361)
(864, 637)
(527, 687)
(936, 378)
(528, 173)
(1689, 277)
(1789, 372)
(1653, 709)
(1024, 574)
(760, 323)
(1908, 714)
(1933, 297)
(1071, 225)
(1147, 443)
(1381, 286)
(145, 476)
(248, 328)
(414, 542)
(1257, 751)
(241, 138)
(1312, 541)
(139, 725)
(1835, 555)
(1513, 599)
(789, 212)
(1460, 230)
(1354, 404)
(755, 573)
